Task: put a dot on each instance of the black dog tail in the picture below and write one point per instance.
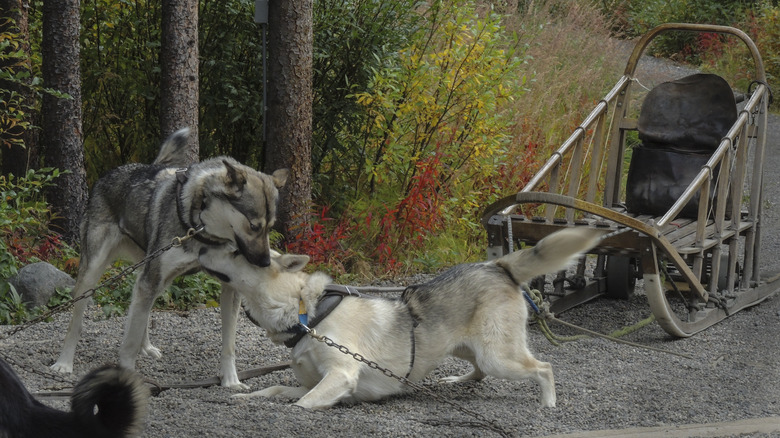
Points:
(110, 402)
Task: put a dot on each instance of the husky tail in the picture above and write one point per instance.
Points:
(110, 402)
(107, 402)
(172, 152)
(551, 254)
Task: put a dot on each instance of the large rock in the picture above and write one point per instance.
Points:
(37, 282)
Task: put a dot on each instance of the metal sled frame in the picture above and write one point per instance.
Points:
(708, 266)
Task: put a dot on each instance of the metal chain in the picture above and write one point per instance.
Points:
(177, 241)
(46, 374)
(482, 420)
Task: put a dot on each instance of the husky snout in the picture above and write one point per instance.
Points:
(258, 254)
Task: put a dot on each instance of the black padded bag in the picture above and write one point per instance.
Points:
(681, 123)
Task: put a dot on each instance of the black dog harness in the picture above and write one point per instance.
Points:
(328, 301)
(181, 179)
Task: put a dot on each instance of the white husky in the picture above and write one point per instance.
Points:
(476, 312)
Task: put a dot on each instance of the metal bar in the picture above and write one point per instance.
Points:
(701, 225)
(575, 167)
(556, 157)
(596, 158)
(756, 196)
(644, 41)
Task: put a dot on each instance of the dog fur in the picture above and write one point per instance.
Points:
(136, 209)
(475, 312)
(108, 402)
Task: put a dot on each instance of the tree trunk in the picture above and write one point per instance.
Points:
(179, 71)
(18, 141)
(62, 136)
(290, 95)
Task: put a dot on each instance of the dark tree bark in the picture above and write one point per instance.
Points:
(18, 143)
(290, 95)
(61, 133)
(179, 71)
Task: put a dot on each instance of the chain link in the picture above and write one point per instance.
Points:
(70, 383)
(482, 420)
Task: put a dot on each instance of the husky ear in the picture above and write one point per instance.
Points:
(292, 262)
(236, 177)
(280, 177)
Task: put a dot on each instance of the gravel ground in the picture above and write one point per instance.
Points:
(733, 375)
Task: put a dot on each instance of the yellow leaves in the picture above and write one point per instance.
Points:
(364, 99)
(443, 95)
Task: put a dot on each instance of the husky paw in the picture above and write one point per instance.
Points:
(246, 395)
(234, 384)
(458, 379)
(450, 379)
(548, 402)
(151, 351)
(62, 368)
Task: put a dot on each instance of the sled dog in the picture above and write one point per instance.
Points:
(108, 402)
(136, 209)
(475, 312)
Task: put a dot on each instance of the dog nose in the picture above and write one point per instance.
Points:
(260, 256)
(261, 260)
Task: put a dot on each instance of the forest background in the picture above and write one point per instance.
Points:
(424, 113)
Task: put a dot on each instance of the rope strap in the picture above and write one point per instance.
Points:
(542, 314)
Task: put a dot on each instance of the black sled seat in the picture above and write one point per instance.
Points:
(680, 125)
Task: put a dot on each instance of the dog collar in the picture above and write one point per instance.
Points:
(328, 301)
(303, 317)
(181, 179)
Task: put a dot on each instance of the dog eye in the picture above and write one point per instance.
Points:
(254, 227)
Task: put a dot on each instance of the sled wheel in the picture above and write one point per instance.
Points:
(537, 283)
(723, 274)
(621, 276)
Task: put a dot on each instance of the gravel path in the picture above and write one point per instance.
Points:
(734, 374)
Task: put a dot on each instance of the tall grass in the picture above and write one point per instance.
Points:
(574, 61)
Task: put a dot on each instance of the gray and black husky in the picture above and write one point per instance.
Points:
(138, 208)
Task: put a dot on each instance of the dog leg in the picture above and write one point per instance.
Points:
(89, 274)
(147, 349)
(334, 386)
(64, 363)
(136, 338)
(230, 305)
(292, 392)
(520, 366)
(465, 354)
